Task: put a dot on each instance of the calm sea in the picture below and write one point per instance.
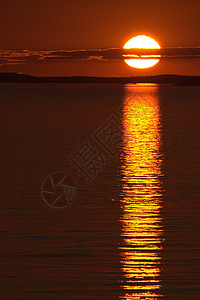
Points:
(99, 191)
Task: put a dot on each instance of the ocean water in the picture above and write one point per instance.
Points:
(99, 191)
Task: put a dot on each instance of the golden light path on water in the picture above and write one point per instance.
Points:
(141, 193)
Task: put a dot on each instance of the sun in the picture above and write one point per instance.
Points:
(141, 42)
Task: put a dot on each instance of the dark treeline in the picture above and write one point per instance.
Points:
(173, 79)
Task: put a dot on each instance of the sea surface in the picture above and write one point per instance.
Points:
(99, 191)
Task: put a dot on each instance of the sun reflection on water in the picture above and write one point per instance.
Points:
(141, 193)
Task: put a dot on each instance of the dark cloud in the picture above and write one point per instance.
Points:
(25, 56)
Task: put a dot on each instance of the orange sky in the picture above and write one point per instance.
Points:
(61, 24)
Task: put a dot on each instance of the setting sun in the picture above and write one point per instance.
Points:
(141, 42)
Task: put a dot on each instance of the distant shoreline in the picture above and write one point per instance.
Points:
(160, 79)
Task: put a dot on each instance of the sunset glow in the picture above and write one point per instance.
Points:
(141, 42)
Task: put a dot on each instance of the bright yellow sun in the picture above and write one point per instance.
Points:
(141, 42)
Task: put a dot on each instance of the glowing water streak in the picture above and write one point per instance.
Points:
(141, 193)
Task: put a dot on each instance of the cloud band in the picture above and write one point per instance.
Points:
(26, 56)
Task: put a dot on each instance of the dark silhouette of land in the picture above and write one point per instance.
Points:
(162, 79)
